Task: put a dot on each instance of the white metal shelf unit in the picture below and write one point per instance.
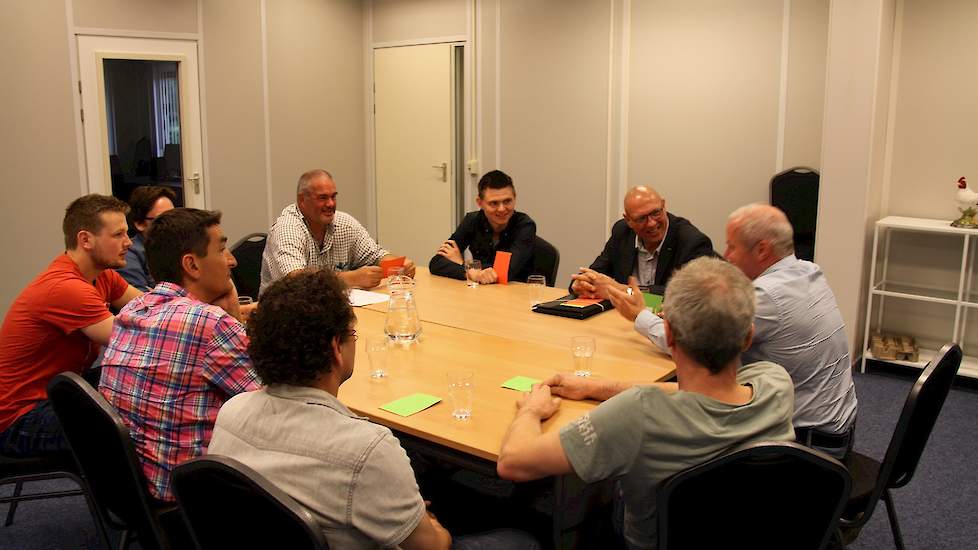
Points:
(960, 298)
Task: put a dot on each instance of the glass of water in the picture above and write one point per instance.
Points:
(536, 284)
(460, 393)
(472, 269)
(377, 355)
(582, 350)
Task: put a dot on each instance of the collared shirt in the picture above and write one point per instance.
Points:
(136, 271)
(646, 262)
(352, 475)
(475, 234)
(346, 246)
(798, 325)
(171, 362)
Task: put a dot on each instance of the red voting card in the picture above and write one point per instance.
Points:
(501, 265)
(391, 266)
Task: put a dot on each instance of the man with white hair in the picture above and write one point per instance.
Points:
(797, 325)
(641, 435)
(312, 233)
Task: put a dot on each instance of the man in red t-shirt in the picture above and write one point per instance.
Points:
(59, 322)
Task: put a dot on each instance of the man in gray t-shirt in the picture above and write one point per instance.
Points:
(642, 434)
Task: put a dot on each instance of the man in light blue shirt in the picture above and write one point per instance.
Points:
(797, 325)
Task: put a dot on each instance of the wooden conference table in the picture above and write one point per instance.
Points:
(491, 331)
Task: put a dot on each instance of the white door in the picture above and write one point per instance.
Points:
(141, 113)
(413, 99)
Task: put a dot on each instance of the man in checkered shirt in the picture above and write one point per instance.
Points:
(312, 233)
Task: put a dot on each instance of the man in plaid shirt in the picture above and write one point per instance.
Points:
(312, 233)
(178, 352)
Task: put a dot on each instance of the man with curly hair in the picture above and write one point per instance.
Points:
(353, 476)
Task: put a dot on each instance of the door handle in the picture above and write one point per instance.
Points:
(196, 181)
(444, 170)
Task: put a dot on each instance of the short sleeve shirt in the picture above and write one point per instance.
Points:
(352, 475)
(41, 334)
(644, 435)
(290, 246)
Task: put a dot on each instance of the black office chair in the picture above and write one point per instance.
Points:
(777, 487)
(216, 492)
(872, 480)
(795, 192)
(106, 457)
(247, 274)
(546, 260)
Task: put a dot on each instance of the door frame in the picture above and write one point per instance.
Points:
(466, 141)
(76, 34)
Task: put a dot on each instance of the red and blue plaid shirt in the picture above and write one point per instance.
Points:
(171, 362)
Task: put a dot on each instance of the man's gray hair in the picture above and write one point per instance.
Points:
(758, 222)
(304, 180)
(709, 305)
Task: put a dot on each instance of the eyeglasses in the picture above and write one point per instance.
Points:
(642, 220)
(352, 334)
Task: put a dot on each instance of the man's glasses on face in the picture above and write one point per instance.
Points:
(644, 219)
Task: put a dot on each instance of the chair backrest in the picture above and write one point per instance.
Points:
(106, 457)
(216, 493)
(546, 260)
(778, 487)
(247, 274)
(920, 412)
(795, 192)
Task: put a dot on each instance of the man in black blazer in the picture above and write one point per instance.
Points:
(648, 243)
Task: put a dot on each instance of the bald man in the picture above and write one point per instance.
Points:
(797, 325)
(647, 243)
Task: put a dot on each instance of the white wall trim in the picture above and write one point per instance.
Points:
(266, 117)
(477, 29)
(625, 91)
(126, 33)
(202, 106)
(368, 117)
(76, 97)
(892, 110)
(471, 90)
(413, 41)
(499, 86)
(609, 176)
(783, 86)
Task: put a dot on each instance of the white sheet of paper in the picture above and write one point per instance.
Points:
(360, 298)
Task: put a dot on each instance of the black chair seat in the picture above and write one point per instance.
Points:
(55, 462)
(864, 471)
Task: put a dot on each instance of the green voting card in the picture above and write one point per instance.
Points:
(406, 406)
(520, 383)
(653, 302)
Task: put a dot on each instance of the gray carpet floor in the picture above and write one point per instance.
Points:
(938, 510)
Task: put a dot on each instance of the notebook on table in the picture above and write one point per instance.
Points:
(573, 307)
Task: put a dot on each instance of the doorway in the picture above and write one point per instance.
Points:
(141, 116)
(418, 100)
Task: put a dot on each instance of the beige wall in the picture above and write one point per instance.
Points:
(143, 15)
(39, 171)
(807, 36)
(398, 20)
(315, 79)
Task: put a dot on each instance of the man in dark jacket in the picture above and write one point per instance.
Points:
(495, 226)
(648, 243)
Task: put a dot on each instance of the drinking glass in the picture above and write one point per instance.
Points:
(460, 392)
(536, 284)
(472, 269)
(377, 355)
(582, 350)
(245, 300)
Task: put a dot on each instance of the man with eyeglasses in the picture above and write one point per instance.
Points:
(648, 243)
(145, 204)
(495, 226)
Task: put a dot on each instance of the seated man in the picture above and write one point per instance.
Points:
(643, 434)
(59, 321)
(312, 233)
(496, 226)
(352, 475)
(146, 203)
(174, 358)
(797, 325)
(648, 243)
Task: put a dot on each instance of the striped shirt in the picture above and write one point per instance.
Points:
(290, 246)
(171, 362)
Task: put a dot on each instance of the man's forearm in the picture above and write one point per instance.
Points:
(515, 459)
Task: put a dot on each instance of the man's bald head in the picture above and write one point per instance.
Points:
(758, 236)
(645, 214)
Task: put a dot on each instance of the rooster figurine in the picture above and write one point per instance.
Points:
(967, 201)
